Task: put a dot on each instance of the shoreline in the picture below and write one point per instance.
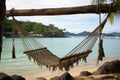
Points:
(37, 72)
(75, 72)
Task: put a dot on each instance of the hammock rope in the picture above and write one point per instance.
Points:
(13, 38)
(42, 56)
(35, 50)
(13, 44)
(83, 49)
(101, 53)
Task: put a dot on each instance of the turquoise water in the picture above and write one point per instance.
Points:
(58, 46)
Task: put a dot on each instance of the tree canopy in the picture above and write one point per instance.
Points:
(35, 28)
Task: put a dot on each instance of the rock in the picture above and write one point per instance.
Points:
(17, 77)
(109, 67)
(41, 78)
(85, 73)
(66, 76)
(4, 76)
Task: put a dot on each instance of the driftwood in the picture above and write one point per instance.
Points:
(104, 8)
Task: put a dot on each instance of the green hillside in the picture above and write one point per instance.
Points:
(34, 27)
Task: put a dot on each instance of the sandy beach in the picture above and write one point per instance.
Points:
(75, 72)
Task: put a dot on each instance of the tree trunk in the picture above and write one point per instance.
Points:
(2, 16)
(105, 8)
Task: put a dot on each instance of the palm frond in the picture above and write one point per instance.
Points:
(111, 17)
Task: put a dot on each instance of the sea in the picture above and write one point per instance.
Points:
(58, 46)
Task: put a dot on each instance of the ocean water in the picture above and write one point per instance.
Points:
(58, 46)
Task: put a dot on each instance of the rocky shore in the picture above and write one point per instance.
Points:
(108, 71)
(4, 76)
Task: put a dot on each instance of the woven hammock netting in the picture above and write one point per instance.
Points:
(42, 56)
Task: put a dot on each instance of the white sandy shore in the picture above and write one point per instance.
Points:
(91, 67)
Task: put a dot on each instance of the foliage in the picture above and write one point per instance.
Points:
(96, 1)
(37, 28)
(103, 1)
(112, 15)
(118, 3)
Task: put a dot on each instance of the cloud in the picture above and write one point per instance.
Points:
(73, 23)
(18, 4)
(115, 27)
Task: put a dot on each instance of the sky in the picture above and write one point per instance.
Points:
(73, 23)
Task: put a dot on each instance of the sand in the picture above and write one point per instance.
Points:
(75, 72)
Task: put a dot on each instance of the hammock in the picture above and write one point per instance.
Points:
(42, 56)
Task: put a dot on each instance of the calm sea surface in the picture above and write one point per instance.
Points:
(58, 46)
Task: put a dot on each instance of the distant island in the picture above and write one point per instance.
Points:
(85, 33)
(34, 28)
(41, 30)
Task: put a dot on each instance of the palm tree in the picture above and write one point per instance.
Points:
(2, 16)
(113, 14)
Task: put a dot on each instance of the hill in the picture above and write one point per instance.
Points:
(85, 33)
(34, 28)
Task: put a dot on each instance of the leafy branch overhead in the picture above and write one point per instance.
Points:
(113, 14)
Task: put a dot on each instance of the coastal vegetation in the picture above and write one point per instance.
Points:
(34, 28)
(40, 29)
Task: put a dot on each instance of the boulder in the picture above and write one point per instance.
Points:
(85, 73)
(17, 77)
(66, 76)
(4, 76)
(109, 67)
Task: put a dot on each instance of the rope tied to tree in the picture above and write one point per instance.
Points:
(101, 53)
(13, 38)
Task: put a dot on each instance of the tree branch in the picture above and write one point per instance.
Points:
(105, 8)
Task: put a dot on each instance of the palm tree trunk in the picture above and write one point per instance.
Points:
(2, 16)
(105, 8)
